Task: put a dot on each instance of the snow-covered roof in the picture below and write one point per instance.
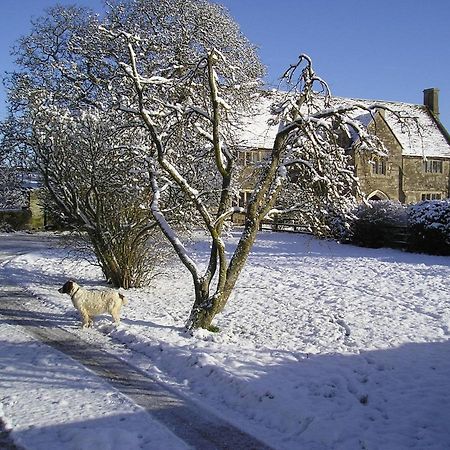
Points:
(419, 137)
(419, 134)
(254, 131)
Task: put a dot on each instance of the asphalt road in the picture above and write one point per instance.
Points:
(198, 427)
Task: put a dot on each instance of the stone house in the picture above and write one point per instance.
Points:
(417, 165)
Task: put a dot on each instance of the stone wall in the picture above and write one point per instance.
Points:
(37, 220)
(417, 181)
(390, 182)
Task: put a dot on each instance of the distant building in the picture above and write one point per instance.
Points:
(416, 168)
(24, 210)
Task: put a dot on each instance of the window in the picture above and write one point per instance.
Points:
(379, 167)
(250, 157)
(432, 196)
(244, 197)
(432, 166)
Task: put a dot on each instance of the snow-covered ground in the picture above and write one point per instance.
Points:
(321, 346)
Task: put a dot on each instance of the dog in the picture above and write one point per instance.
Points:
(91, 303)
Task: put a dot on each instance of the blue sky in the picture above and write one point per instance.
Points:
(383, 50)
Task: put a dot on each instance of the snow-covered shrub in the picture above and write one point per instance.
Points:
(429, 223)
(14, 219)
(6, 227)
(372, 221)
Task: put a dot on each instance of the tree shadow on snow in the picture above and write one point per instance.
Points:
(15, 308)
(150, 324)
(38, 370)
(388, 398)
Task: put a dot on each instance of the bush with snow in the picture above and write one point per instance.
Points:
(372, 219)
(429, 223)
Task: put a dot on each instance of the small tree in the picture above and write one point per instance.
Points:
(189, 109)
(91, 182)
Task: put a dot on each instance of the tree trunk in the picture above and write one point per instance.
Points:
(202, 312)
(113, 273)
(206, 306)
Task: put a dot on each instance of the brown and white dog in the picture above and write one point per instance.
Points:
(91, 303)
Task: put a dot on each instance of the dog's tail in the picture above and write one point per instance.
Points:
(124, 300)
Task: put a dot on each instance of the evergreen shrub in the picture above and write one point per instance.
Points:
(429, 225)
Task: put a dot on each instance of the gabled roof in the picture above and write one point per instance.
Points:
(419, 136)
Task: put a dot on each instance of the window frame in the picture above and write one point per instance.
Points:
(244, 197)
(379, 167)
(433, 166)
(431, 196)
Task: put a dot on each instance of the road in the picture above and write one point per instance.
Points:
(14, 244)
(198, 427)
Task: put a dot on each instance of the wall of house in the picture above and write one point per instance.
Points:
(389, 183)
(37, 220)
(247, 159)
(417, 181)
(405, 179)
(31, 217)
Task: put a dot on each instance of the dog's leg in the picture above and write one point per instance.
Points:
(115, 313)
(85, 318)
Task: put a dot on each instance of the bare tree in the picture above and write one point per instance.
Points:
(201, 124)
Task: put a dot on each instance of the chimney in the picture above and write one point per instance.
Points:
(431, 100)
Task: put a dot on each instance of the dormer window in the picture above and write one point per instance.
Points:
(432, 166)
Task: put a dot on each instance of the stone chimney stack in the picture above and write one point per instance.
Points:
(431, 100)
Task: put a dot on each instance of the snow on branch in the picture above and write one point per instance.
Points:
(166, 228)
(208, 136)
(120, 33)
(154, 80)
(305, 81)
(201, 112)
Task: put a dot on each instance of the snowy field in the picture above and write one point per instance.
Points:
(321, 346)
